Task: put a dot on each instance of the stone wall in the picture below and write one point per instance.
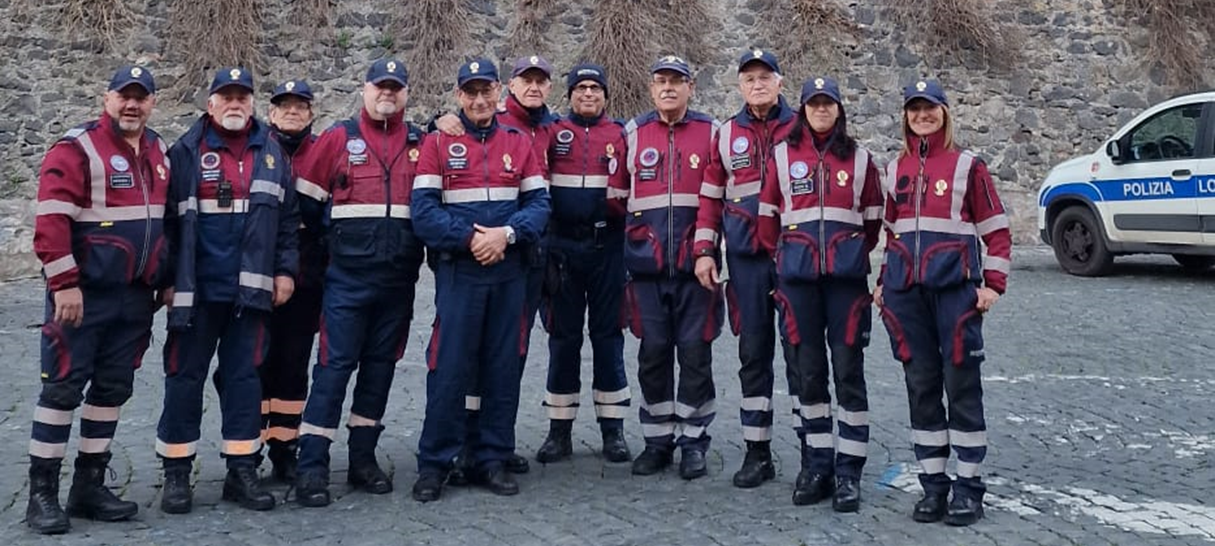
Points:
(1082, 76)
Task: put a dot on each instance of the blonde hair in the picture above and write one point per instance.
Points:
(947, 127)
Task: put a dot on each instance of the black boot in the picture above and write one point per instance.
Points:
(243, 486)
(177, 497)
(43, 514)
(931, 508)
(615, 448)
(963, 511)
(461, 470)
(812, 488)
(429, 486)
(652, 461)
(558, 445)
(847, 494)
(89, 497)
(692, 463)
(365, 473)
(312, 489)
(282, 455)
(757, 466)
(517, 464)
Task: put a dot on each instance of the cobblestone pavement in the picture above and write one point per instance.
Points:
(1097, 403)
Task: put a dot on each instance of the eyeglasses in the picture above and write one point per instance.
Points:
(486, 92)
(751, 81)
(293, 106)
(595, 89)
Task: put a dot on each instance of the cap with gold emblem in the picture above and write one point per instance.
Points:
(533, 62)
(479, 69)
(230, 76)
(760, 56)
(821, 85)
(133, 75)
(929, 90)
(673, 64)
(388, 70)
(291, 88)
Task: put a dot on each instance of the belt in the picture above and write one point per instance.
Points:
(596, 232)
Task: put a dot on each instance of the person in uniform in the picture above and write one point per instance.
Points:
(670, 312)
(234, 243)
(293, 325)
(363, 170)
(729, 202)
(933, 292)
(585, 282)
(99, 234)
(477, 198)
(820, 219)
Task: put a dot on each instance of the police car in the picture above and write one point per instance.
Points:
(1149, 189)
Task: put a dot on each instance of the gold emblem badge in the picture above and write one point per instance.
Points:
(534, 60)
(609, 150)
(921, 86)
(474, 66)
(413, 155)
(234, 74)
(506, 162)
(694, 161)
(757, 54)
(136, 72)
(842, 177)
(819, 83)
(269, 162)
(392, 66)
(160, 171)
(290, 86)
(939, 188)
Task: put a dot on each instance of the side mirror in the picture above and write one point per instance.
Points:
(1114, 150)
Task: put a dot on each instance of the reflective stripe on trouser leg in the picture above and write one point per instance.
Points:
(848, 322)
(910, 312)
(460, 312)
(566, 308)
(698, 315)
(655, 366)
(284, 374)
(344, 324)
(963, 385)
(604, 297)
(503, 332)
(807, 304)
(187, 359)
(750, 296)
(242, 348)
(97, 427)
(51, 431)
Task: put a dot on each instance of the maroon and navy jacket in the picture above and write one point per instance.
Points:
(101, 208)
(939, 203)
(585, 158)
(363, 170)
(666, 165)
(822, 216)
(737, 172)
(298, 150)
(536, 124)
(488, 176)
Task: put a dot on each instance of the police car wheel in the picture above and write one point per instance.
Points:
(1190, 262)
(1079, 244)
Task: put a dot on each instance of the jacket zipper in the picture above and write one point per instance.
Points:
(147, 226)
(671, 166)
(586, 154)
(918, 197)
(387, 172)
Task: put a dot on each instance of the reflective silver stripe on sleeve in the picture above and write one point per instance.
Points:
(994, 263)
(766, 209)
(183, 299)
(711, 191)
(59, 266)
(256, 280)
(531, 183)
(190, 204)
(267, 187)
(704, 234)
(995, 223)
(428, 181)
(52, 206)
(308, 188)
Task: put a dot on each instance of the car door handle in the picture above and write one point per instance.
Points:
(1180, 173)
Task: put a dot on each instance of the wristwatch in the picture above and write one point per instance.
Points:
(510, 235)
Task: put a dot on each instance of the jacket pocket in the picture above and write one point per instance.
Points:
(683, 259)
(797, 257)
(944, 264)
(108, 259)
(898, 266)
(352, 241)
(846, 256)
(739, 226)
(642, 250)
(157, 262)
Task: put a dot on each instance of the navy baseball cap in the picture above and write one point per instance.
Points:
(929, 90)
(479, 69)
(388, 70)
(293, 88)
(672, 63)
(131, 74)
(534, 62)
(767, 58)
(821, 86)
(238, 76)
(586, 71)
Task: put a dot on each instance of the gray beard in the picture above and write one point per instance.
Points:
(385, 109)
(234, 123)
